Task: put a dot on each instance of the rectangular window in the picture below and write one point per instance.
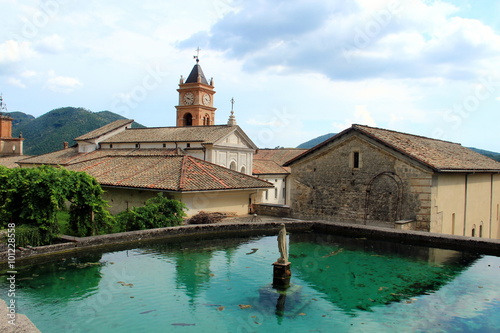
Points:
(164, 145)
(453, 223)
(275, 193)
(267, 195)
(355, 160)
(284, 193)
(188, 145)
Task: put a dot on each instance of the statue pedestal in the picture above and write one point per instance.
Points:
(281, 275)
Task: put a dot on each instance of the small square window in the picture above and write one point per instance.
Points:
(188, 145)
(164, 145)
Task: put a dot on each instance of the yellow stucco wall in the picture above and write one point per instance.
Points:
(224, 201)
(462, 203)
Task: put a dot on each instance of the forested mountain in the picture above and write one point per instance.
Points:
(316, 141)
(48, 132)
(311, 143)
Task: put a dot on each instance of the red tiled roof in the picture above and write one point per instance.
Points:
(270, 161)
(11, 161)
(441, 156)
(205, 134)
(268, 167)
(71, 155)
(172, 173)
(104, 129)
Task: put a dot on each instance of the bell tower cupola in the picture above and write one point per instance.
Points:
(196, 98)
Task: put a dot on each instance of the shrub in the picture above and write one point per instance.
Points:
(158, 212)
(207, 218)
(32, 235)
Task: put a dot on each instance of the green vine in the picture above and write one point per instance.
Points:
(33, 196)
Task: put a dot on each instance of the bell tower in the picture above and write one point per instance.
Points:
(196, 98)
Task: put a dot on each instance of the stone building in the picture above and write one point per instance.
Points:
(369, 174)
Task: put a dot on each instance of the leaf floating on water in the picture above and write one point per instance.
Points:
(220, 308)
(245, 306)
(382, 288)
(182, 324)
(302, 314)
(334, 253)
(125, 284)
(252, 252)
(62, 277)
(211, 274)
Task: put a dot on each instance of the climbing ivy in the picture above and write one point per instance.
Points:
(33, 196)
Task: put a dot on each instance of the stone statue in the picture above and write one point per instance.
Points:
(282, 245)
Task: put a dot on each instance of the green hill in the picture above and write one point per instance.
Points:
(316, 141)
(47, 133)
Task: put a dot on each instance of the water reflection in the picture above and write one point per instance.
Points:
(360, 274)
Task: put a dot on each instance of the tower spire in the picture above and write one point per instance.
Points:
(232, 119)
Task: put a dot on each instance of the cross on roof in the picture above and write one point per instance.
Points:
(232, 104)
(197, 56)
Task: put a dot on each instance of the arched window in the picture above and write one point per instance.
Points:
(243, 170)
(188, 119)
(232, 166)
(473, 233)
(206, 120)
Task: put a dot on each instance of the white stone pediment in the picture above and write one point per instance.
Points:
(235, 139)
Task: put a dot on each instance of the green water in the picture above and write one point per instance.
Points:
(338, 285)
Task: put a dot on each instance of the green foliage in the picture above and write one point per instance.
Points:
(46, 133)
(31, 235)
(158, 212)
(34, 197)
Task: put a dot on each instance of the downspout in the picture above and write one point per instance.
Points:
(465, 202)
(491, 205)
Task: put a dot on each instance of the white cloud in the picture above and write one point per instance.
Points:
(51, 44)
(16, 82)
(62, 84)
(14, 51)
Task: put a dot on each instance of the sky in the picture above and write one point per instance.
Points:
(297, 69)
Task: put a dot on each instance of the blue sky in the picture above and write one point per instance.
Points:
(297, 69)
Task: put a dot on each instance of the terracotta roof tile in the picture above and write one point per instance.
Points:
(270, 161)
(104, 129)
(11, 161)
(441, 156)
(205, 134)
(71, 155)
(174, 173)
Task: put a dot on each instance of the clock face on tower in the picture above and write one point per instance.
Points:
(206, 99)
(188, 98)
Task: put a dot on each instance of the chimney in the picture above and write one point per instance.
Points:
(65, 145)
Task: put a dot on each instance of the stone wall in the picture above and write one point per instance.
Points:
(272, 210)
(384, 186)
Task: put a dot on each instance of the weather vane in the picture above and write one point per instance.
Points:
(197, 56)
(232, 104)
